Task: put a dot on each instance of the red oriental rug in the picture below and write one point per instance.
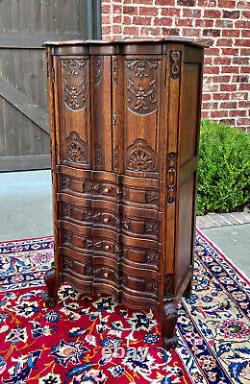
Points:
(66, 344)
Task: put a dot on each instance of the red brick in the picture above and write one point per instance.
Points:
(170, 12)
(106, 29)
(239, 96)
(117, 20)
(245, 52)
(241, 60)
(210, 105)
(117, 29)
(212, 70)
(230, 33)
(212, 14)
(226, 4)
(189, 12)
(105, 19)
(245, 33)
(106, 8)
(204, 23)
(227, 87)
(144, 2)
(230, 51)
(243, 4)
(246, 14)
(117, 8)
(142, 20)
(163, 21)
(207, 3)
(208, 60)
(173, 31)
(127, 20)
(221, 96)
(224, 42)
(242, 42)
(221, 79)
(148, 31)
(222, 60)
(238, 112)
(231, 14)
(228, 122)
(223, 113)
(148, 11)
(131, 31)
(206, 96)
(244, 87)
(224, 24)
(211, 32)
(228, 105)
(184, 22)
(229, 69)
(244, 104)
(212, 51)
(242, 24)
(240, 79)
(244, 121)
(186, 3)
(245, 69)
(130, 10)
(192, 32)
(169, 3)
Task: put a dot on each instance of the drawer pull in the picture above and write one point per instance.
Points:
(106, 190)
(106, 220)
(105, 274)
(171, 170)
(107, 247)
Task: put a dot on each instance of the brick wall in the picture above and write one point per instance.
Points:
(223, 24)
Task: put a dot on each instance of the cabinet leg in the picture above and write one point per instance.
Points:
(188, 291)
(51, 281)
(169, 319)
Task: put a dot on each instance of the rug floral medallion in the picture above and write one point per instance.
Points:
(94, 340)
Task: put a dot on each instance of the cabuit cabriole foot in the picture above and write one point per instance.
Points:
(51, 281)
(168, 321)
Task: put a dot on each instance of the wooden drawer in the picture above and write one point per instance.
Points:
(141, 191)
(149, 229)
(143, 253)
(75, 236)
(137, 300)
(140, 280)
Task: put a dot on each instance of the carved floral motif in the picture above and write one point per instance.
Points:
(76, 150)
(142, 86)
(151, 286)
(152, 196)
(140, 157)
(98, 69)
(175, 57)
(152, 257)
(74, 77)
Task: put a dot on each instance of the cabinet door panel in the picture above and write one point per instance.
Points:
(72, 99)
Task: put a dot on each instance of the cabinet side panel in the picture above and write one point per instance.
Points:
(188, 146)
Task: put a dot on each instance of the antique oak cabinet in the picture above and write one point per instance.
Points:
(124, 119)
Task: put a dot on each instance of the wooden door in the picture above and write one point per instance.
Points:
(24, 26)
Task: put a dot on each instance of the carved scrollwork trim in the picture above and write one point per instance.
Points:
(140, 157)
(98, 155)
(74, 78)
(142, 86)
(175, 57)
(99, 63)
(76, 149)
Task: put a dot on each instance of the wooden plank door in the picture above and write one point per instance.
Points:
(24, 128)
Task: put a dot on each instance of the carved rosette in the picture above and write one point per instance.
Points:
(74, 88)
(152, 257)
(140, 157)
(76, 149)
(175, 57)
(98, 65)
(142, 86)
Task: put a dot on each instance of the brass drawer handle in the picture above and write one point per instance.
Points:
(106, 190)
(107, 247)
(106, 220)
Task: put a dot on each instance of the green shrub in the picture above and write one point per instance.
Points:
(224, 169)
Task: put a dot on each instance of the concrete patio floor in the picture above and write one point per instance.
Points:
(26, 212)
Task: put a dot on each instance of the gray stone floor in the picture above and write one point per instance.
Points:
(26, 211)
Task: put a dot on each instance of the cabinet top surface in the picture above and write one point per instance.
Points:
(165, 40)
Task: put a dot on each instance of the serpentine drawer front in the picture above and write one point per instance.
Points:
(124, 119)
